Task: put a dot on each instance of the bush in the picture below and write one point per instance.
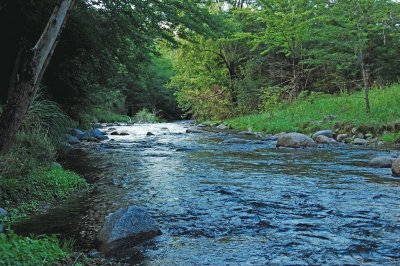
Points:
(145, 116)
(18, 250)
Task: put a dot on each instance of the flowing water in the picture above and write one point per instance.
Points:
(245, 203)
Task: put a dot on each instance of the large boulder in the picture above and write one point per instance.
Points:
(126, 228)
(382, 162)
(98, 134)
(396, 167)
(295, 140)
(327, 133)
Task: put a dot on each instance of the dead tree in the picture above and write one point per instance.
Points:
(29, 72)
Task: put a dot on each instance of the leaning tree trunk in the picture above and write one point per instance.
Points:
(31, 70)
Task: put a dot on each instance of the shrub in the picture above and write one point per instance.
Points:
(145, 116)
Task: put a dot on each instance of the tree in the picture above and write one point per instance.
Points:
(30, 70)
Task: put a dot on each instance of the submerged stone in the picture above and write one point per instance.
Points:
(382, 162)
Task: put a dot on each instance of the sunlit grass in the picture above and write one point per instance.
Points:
(308, 115)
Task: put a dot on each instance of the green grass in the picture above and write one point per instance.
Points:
(39, 185)
(391, 137)
(145, 116)
(104, 116)
(17, 250)
(308, 115)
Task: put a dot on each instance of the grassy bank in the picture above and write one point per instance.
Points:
(30, 179)
(322, 111)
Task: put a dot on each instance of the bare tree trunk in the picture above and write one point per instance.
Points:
(366, 83)
(34, 64)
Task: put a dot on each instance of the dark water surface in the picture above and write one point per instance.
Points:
(236, 204)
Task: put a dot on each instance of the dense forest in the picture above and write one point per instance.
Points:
(225, 61)
(220, 58)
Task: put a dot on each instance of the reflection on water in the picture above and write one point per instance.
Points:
(236, 204)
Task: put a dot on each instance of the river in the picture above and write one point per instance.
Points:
(248, 203)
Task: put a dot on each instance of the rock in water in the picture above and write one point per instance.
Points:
(295, 140)
(396, 167)
(222, 127)
(359, 141)
(382, 162)
(342, 137)
(327, 133)
(126, 228)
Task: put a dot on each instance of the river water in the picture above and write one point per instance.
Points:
(248, 203)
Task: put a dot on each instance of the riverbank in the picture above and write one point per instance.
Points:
(342, 113)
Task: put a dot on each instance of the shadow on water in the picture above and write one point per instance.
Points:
(235, 204)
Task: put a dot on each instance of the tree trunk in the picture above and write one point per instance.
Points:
(34, 64)
(366, 83)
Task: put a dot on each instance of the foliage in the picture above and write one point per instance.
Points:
(391, 137)
(18, 250)
(308, 115)
(145, 116)
(40, 185)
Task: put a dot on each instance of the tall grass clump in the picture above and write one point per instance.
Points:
(18, 250)
(145, 116)
(307, 115)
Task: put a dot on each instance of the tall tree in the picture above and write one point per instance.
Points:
(31, 68)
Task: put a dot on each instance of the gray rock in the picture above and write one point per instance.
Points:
(396, 167)
(98, 134)
(115, 133)
(271, 138)
(201, 125)
(86, 136)
(222, 127)
(112, 129)
(75, 132)
(327, 133)
(295, 140)
(96, 125)
(382, 162)
(359, 141)
(360, 135)
(369, 135)
(234, 141)
(342, 137)
(149, 134)
(322, 139)
(246, 133)
(55, 165)
(71, 139)
(3, 212)
(126, 228)
(124, 133)
(194, 131)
